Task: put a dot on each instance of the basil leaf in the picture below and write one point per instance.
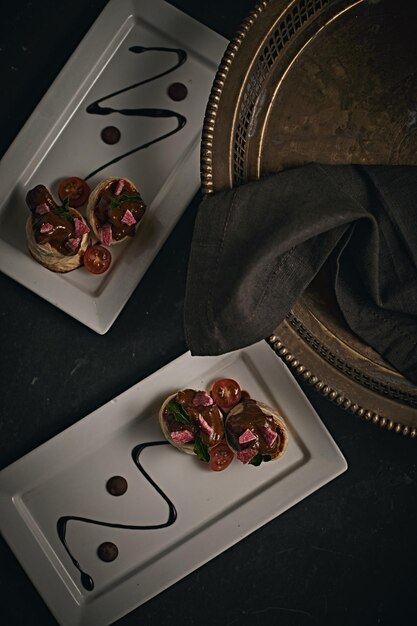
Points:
(201, 450)
(117, 200)
(257, 460)
(179, 413)
(63, 211)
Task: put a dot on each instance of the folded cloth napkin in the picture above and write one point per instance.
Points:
(255, 249)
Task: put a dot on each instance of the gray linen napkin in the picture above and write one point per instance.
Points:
(255, 249)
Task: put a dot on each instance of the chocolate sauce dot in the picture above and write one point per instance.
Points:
(177, 91)
(110, 135)
(116, 485)
(107, 551)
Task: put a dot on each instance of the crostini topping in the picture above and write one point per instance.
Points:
(248, 427)
(52, 224)
(119, 207)
(250, 430)
(205, 421)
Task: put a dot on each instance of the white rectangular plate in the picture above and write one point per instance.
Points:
(67, 476)
(62, 139)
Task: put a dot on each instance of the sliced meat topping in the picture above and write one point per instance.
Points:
(73, 243)
(105, 234)
(247, 437)
(43, 208)
(182, 436)
(270, 436)
(246, 455)
(80, 228)
(46, 227)
(202, 398)
(205, 427)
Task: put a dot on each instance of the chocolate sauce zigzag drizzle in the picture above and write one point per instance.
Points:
(95, 108)
(86, 580)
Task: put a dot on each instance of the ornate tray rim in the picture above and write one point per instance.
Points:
(332, 386)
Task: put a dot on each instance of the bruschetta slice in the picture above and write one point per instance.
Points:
(114, 210)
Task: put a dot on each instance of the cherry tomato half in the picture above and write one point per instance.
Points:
(97, 259)
(76, 189)
(226, 393)
(220, 457)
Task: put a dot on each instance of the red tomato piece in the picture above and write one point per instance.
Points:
(75, 189)
(226, 393)
(96, 259)
(220, 457)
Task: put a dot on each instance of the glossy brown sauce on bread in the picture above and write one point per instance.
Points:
(252, 418)
(62, 227)
(211, 414)
(104, 213)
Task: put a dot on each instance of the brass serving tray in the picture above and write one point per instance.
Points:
(331, 81)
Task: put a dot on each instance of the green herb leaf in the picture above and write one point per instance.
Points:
(259, 458)
(201, 450)
(176, 409)
(117, 200)
(63, 210)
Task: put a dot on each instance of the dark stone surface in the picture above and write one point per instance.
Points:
(345, 555)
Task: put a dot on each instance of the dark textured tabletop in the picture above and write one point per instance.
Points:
(345, 555)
